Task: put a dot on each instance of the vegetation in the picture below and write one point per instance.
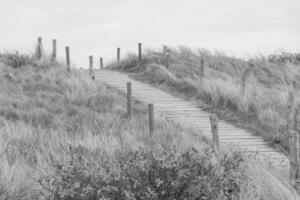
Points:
(250, 94)
(65, 136)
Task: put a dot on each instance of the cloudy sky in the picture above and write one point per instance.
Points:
(239, 27)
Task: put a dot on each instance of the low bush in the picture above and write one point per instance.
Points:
(147, 174)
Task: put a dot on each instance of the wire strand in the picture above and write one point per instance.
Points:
(109, 56)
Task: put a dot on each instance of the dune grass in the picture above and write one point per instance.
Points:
(65, 136)
(261, 107)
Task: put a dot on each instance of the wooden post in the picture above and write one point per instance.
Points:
(129, 100)
(243, 86)
(39, 40)
(294, 83)
(214, 131)
(245, 75)
(296, 144)
(118, 54)
(68, 59)
(151, 119)
(202, 68)
(53, 49)
(39, 48)
(167, 58)
(164, 50)
(18, 61)
(91, 67)
(101, 63)
(140, 52)
(290, 126)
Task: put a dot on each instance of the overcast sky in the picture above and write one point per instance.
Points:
(239, 27)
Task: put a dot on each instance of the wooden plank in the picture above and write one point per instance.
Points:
(190, 116)
(167, 100)
(228, 133)
(174, 115)
(183, 110)
(237, 137)
(234, 140)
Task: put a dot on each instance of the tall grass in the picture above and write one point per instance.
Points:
(261, 108)
(65, 136)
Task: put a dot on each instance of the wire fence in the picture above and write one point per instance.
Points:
(80, 59)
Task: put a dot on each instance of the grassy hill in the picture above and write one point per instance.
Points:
(65, 136)
(261, 106)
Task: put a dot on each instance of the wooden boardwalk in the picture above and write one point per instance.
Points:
(190, 116)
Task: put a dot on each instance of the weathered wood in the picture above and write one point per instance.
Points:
(129, 100)
(296, 142)
(191, 116)
(202, 68)
(245, 75)
(68, 59)
(242, 140)
(91, 70)
(101, 63)
(151, 119)
(165, 50)
(167, 58)
(290, 127)
(118, 54)
(214, 131)
(39, 48)
(53, 57)
(140, 51)
(39, 40)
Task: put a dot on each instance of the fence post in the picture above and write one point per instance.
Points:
(164, 50)
(202, 65)
(214, 131)
(91, 67)
(39, 40)
(118, 54)
(129, 100)
(140, 52)
(290, 126)
(151, 119)
(53, 49)
(68, 59)
(39, 48)
(245, 75)
(167, 58)
(101, 63)
(296, 143)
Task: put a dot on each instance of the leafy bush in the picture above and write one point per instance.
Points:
(146, 174)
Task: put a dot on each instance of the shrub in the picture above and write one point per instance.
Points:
(146, 174)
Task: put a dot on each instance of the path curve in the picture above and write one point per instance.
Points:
(189, 116)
